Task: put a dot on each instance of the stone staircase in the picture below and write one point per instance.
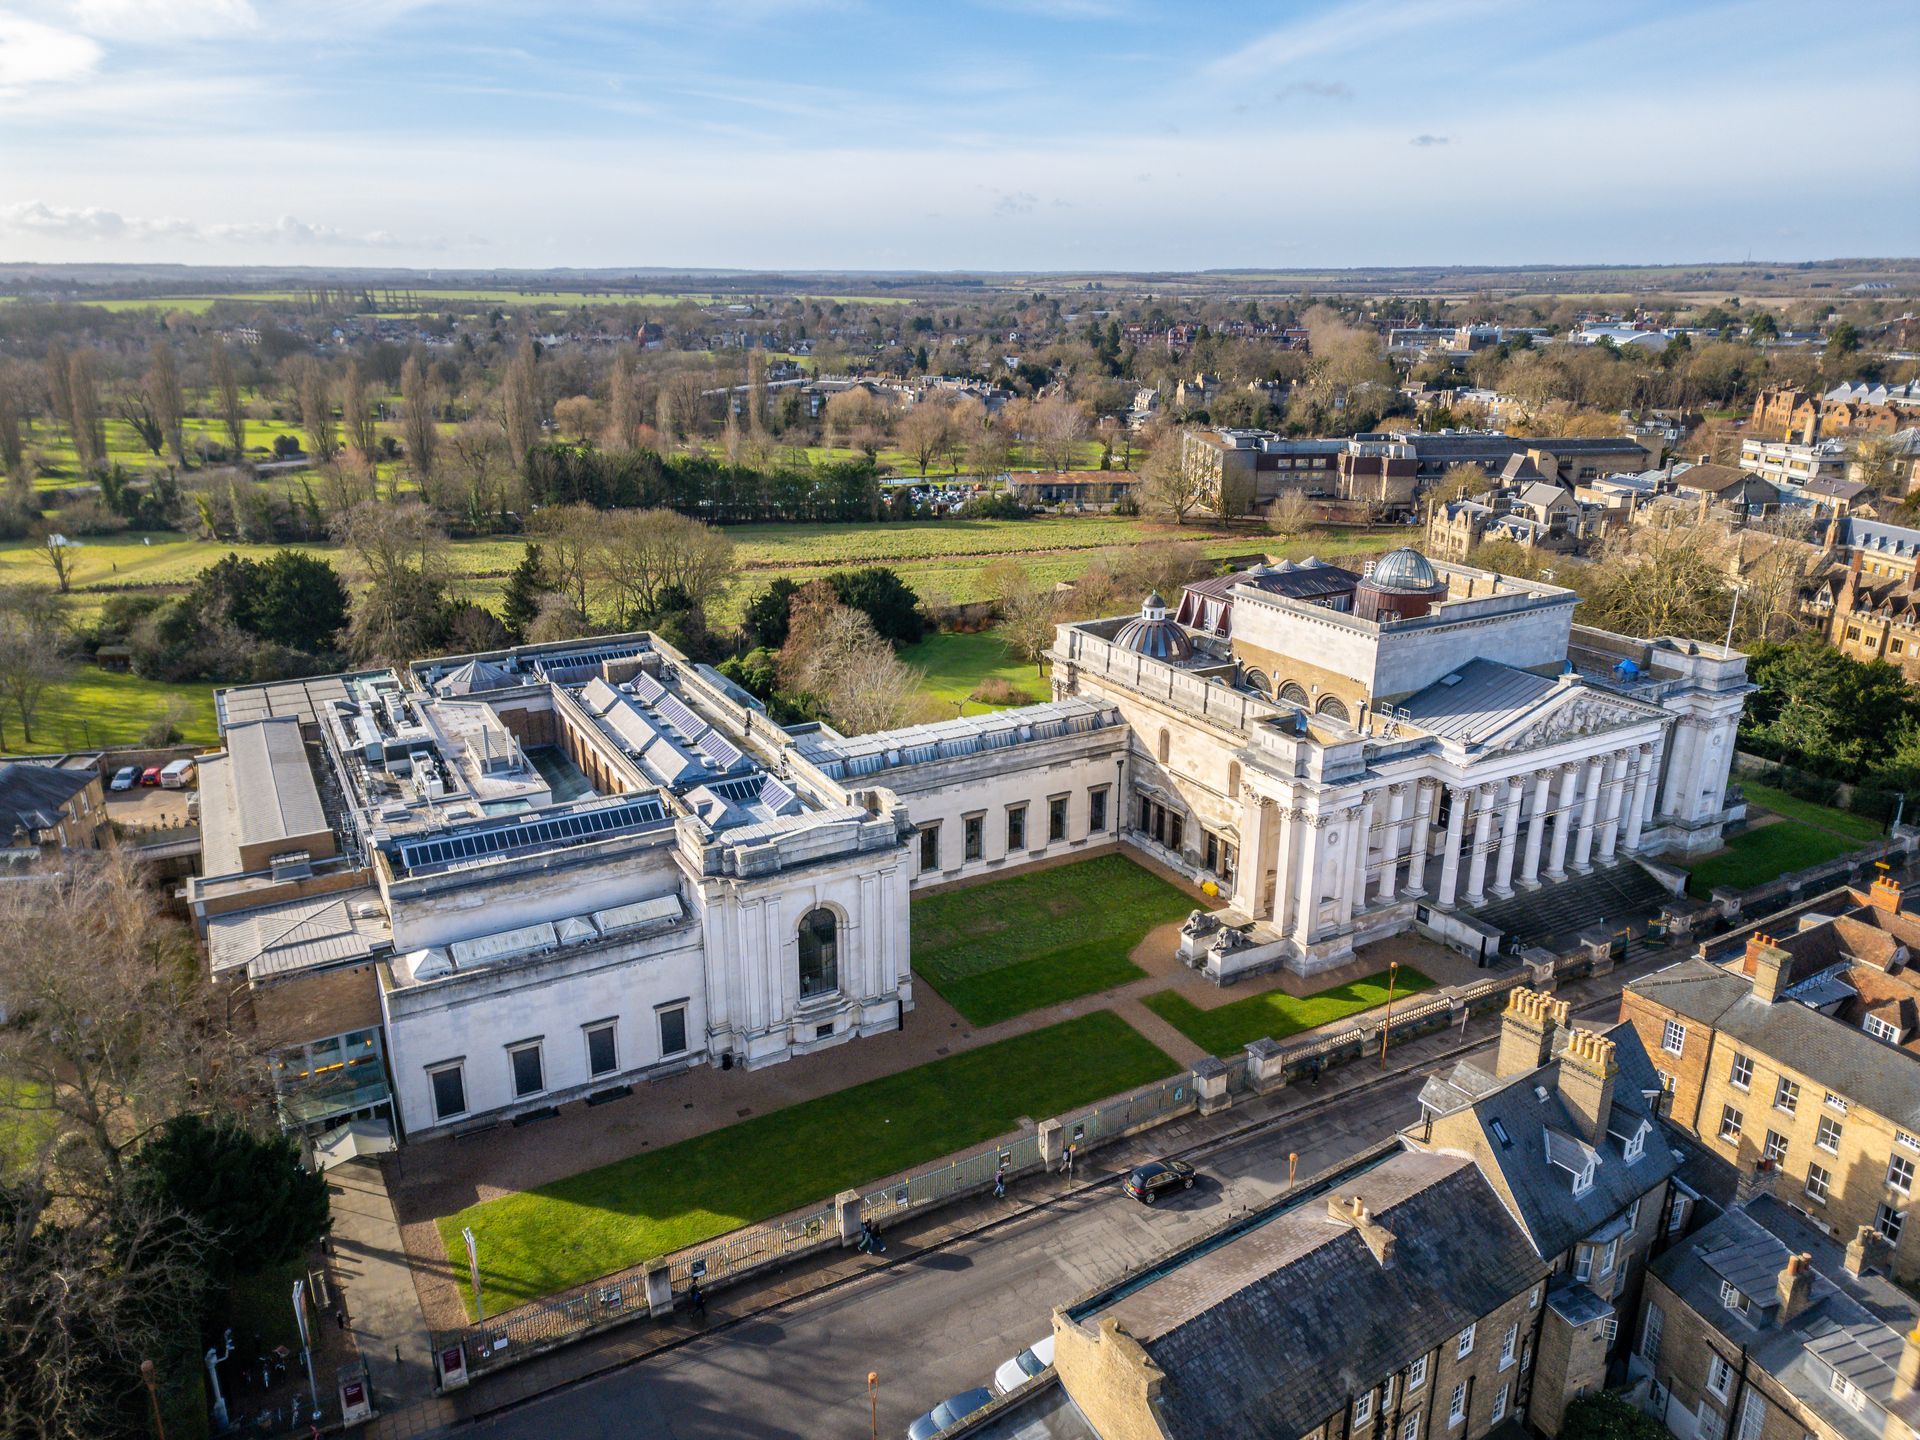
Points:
(1619, 897)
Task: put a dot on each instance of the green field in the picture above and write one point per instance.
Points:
(1807, 834)
(1845, 823)
(1276, 1015)
(96, 708)
(1000, 949)
(662, 1200)
(955, 664)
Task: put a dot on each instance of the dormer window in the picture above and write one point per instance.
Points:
(1636, 1143)
(1881, 1030)
(1731, 1297)
(1583, 1181)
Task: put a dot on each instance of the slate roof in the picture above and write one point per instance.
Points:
(278, 939)
(1483, 697)
(474, 677)
(1883, 1078)
(1852, 1324)
(1714, 479)
(1540, 1136)
(1266, 1335)
(31, 795)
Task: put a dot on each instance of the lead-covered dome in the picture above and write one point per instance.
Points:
(1404, 569)
(1152, 634)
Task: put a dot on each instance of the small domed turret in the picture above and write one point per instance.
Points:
(1153, 634)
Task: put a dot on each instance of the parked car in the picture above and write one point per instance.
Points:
(949, 1412)
(124, 777)
(1023, 1367)
(1147, 1183)
(150, 775)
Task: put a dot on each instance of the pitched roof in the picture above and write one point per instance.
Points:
(1480, 697)
(1714, 479)
(31, 796)
(319, 930)
(1267, 1334)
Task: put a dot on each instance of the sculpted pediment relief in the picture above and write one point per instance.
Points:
(1580, 714)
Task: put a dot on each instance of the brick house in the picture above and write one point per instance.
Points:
(1762, 1327)
(46, 808)
(1798, 1061)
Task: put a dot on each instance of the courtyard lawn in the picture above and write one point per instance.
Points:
(1000, 949)
(1861, 828)
(956, 665)
(1276, 1015)
(1754, 857)
(94, 709)
(651, 1204)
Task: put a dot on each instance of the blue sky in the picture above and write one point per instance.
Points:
(956, 134)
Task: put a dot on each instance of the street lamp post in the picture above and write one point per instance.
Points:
(214, 1358)
(873, 1400)
(1386, 1029)
(473, 1271)
(153, 1398)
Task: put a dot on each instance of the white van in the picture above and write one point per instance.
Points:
(178, 775)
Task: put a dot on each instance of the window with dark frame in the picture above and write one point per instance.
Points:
(673, 1029)
(1016, 827)
(529, 1074)
(1097, 810)
(449, 1091)
(929, 848)
(974, 826)
(602, 1054)
(819, 954)
(1056, 819)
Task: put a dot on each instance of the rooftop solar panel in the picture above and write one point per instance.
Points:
(648, 688)
(722, 751)
(690, 725)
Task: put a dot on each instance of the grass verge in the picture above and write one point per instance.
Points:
(1754, 857)
(1001, 949)
(1861, 828)
(543, 1240)
(1277, 1015)
(956, 665)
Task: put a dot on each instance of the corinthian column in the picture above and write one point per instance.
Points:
(1509, 831)
(1536, 830)
(1482, 837)
(1423, 794)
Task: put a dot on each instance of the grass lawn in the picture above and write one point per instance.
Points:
(662, 1200)
(1277, 1015)
(95, 708)
(1001, 949)
(1863, 828)
(1754, 857)
(22, 1123)
(956, 664)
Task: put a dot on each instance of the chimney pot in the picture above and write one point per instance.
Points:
(1795, 1288)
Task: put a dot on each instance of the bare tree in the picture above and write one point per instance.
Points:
(356, 414)
(316, 412)
(59, 368)
(32, 651)
(623, 404)
(479, 453)
(1059, 425)
(137, 410)
(226, 384)
(643, 554)
(1168, 484)
(577, 416)
(1877, 462)
(1029, 608)
(161, 386)
(416, 400)
(62, 555)
(89, 429)
(401, 551)
(570, 539)
(520, 402)
(1291, 515)
(834, 655)
(989, 450)
(923, 431)
(13, 410)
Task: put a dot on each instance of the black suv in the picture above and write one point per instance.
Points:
(1146, 1183)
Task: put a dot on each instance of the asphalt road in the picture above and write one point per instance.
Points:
(941, 1321)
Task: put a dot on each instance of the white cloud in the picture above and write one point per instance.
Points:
(83, 223)
(165, 19)
(1424, 141)
(1345, 28)
(35, 54)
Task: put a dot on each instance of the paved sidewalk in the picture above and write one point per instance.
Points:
(376, 1283)
(1594, 1000)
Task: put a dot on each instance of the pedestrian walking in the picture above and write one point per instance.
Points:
(1000, 1183)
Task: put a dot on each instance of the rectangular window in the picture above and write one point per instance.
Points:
(1417, 1374)
(1786, 1095)
(1499, 1406)
(1509, 1345)
(602, 1058)
(1607, 1257)
(1016, 828)
(1457, 1404)
(1888, 1221)
(1410, 1427)
(1817, 1182)
(1753, 1415)
(673, 1029)
(449, 1091)
(1097, 810)
(1900, 1173)
(1464, 1347)
(1710, 1423)
(974, 824)
(1057, 820)
(1836, 1102)
(1741, 1075)
(529, 1075)
(1719, 1377)
(1533, 1300)
(1583, 1263)
(1731, 1297)
(1828, 1138)
(1363, 1409)
(1880, 1029)
(1673, 1038)
(929, 848)
(1730, 1122)
(1776, 1149)
(1650, 1335)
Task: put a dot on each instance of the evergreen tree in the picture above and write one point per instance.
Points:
(524, 588)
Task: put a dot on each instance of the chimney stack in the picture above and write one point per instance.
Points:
(1884, 894)
(1795, 1288)
(1766, 962)
(1587, 1074)
(1527, 1029)
(1755, 1180)
(1353, 1211)
(1866, 1251)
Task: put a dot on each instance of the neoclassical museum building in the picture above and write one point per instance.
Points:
(491, 883)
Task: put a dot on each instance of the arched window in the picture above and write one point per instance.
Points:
(1166, 746)
(1257, 679)
(1331, 707)
(819, 954)
(1295, 695)
(1233, 780)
